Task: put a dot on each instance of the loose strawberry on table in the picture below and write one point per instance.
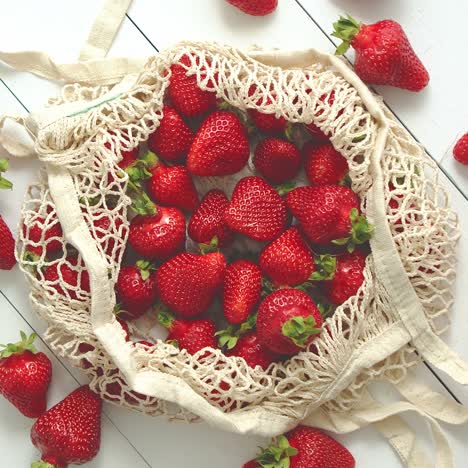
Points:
(460, 152)
(329, 213)
(324, 165)
(304, 447)
(136, 289)
(173, 186)
(70, 432)
(383, 53)
(277, 160)
(206, 226)
(288, 321)
(242, 290)
(186, 96)
(171, 141)
(255, 7)
(191, 335)
(288, 260)
(158, 236)
(256, 210)
(220, 147)
(347, 278)
(25, 375)
(188, 283)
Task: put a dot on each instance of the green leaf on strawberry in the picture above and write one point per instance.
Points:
(277, 455)
(325, 266)
(361, 231)
(228, 337)
(145, 268)
(345, 29)
(299, 329)
(26, 344)
(4, 183)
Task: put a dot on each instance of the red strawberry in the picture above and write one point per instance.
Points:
(158, 236)
(242, 290)
(173, 186)
(7, 247)
(173, 138)
(383, 53)
(146, 344)
(256, 210)
(220, 147)
(37, 235)
(186, 96)
(128, 156)
(188, 283)
(251, 464)
(277, 160)
(136, 288)
(288, 321)
(255, 7)
(66, 274)
(70, 432)
(460, 152)
(288, 261)
(249, 348)
(306, 447)
(25, 376)
(267, 123)
(348, 278)
(103, 226)
(329, 213)
(191, 335)
(324, 165)
(207, 222)
(318, 135)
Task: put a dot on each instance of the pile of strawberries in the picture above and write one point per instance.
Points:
(265, 307)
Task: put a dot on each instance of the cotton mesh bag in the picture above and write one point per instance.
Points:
(80, 204)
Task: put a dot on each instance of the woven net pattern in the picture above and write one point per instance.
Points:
(89, 145)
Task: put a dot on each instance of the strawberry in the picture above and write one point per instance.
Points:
(25, 376)
(38, 235)
(277, 160)
(206, 225)
(348, 277)
(324, 165)
(158, 236)
(173, 138)
(103, 225)
(128, 156)
(173, 186)
(267, 123)
(220, 147)
(330, 213)
(319, 137)
(383, 53)
(65, 278)
(7, 247)
(188, 283)
(191, 335)
(317, 134)
(460, 152)
(305, 447)
(70, 432)
(242, 290)
(256, 210)
(186, 96)
(288, 321)
(251, 464)
(249, 348)
(136, 288)
(287, 261)
(255, 7)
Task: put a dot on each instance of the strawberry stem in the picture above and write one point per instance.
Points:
(325, 266)
(345, 29)
(142, 204)
(145, 268)
(277, 455)
(361, 231)
(300, 329)
(213, 246)
(43, 464)
(26, 344)
(5, 184)
(228, 338)
(283, 189)
(165, 318)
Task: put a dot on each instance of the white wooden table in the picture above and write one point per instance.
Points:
(435, 117)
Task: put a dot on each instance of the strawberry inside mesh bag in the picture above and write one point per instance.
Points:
(302, 89)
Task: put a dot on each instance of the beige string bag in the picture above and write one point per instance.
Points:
(392, 323)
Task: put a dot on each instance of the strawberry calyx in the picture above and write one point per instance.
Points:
(26, 344)
(285, 188)
(213, 246)
(165, 318)
(174, 343)
(145, 268)
(325, 267)
(277, 455)
(44, 464)
(137, 172)
(290, 132)
(267, 287)
(361, 231)
(142, 204)
(345, 29)
(5, 184)
(325, 308)
(300, 329)
(229, 337)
